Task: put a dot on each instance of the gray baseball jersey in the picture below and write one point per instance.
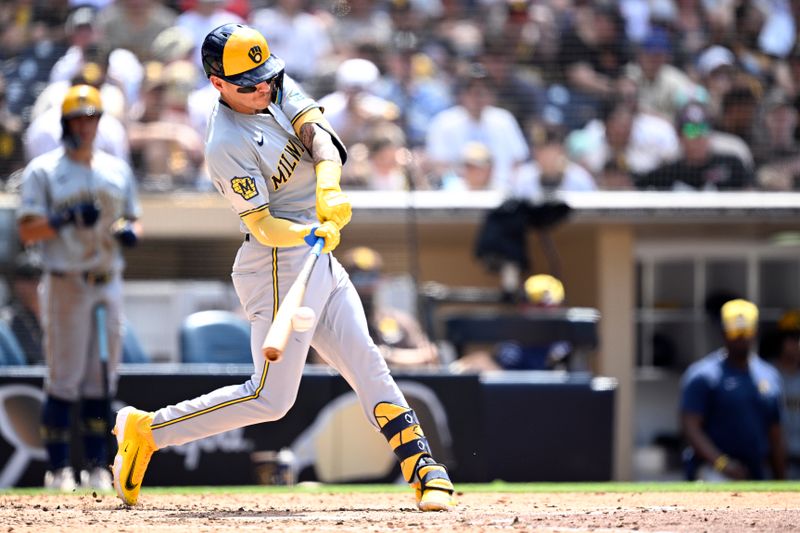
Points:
(83, 266)
(257, 162)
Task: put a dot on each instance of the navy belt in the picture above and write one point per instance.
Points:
(92, 278)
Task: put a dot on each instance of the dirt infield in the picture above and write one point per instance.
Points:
(651, 511)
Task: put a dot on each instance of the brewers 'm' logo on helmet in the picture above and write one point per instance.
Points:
(244, 186)
(255, 54)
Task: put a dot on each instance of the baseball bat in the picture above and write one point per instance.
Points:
(281, 328)
(102, 345)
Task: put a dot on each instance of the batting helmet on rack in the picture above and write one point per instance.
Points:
(240, 55)
(80, 101)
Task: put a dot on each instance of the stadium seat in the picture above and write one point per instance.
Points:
(132, 351)
(215, 337)
(11, 352)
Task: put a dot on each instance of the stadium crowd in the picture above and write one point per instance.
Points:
(518, 96)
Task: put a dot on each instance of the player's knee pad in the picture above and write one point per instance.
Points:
(95, 415)
(56, 420)
(401, 428)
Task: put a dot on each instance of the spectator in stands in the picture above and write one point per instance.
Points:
(353, 110)
(698, 168)
(295, 35)
(25, 24)
(516, 89)
(694, 24)
(360, 24)
(28, 72)
(731, 406)
(45, 132)
(383, 162)
(134, 25)
(476, 119)
(776, 151)
(176, 44)
(398, 335)
(542, 291)
(93, 71)
(762, 32)
(413, 83)
(551, 170)
(121, 66)
(739, 114)
(21, 312)
(167, 150)
(592, 56)
(662, 87)
(635, 142)
(788, 364)
(11, 152)
(201, 18)
(717, 69)
(474, 173)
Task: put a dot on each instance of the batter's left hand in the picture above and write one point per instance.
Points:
(328, 231)
(333, 205)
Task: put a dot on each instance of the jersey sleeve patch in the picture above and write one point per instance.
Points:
(244, 186)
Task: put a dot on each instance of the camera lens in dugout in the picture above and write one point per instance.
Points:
(502, 237)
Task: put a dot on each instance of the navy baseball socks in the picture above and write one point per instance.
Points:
(135, 447)
(95, 414)
(56, 434)
(429, 479)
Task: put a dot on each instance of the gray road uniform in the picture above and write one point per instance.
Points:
(82, 266)
(257, 162)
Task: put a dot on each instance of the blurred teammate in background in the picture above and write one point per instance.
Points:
(79, 204)
(788, 364)
(731, 406)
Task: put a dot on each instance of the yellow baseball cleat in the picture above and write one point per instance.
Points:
(135, 446)
(434, 490)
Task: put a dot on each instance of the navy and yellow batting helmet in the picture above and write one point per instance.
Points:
(81, 101)
(240, 55)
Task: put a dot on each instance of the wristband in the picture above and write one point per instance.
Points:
(721, 462)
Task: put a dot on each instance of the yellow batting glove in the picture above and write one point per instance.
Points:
(332, 204)
(330, 232)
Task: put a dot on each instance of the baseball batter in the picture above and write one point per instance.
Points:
(79, 205)
(271, 153)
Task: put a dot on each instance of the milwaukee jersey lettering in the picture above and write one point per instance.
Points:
(257, 160)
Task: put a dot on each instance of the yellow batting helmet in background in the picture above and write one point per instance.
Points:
(739, 319)
(543, 289)
(81, 101)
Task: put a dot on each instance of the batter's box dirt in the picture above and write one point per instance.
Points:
(722, 512)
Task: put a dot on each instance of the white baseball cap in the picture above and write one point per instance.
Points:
(356, 74)
(713, 58)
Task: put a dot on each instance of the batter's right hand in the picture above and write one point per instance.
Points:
(328, 231)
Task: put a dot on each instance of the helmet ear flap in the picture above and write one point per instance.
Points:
(67, 137)
(277, 88)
